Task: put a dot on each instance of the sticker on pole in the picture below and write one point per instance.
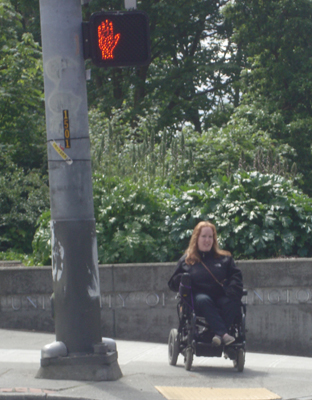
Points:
(62, 153)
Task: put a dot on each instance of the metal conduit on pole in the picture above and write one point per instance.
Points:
(79, 351)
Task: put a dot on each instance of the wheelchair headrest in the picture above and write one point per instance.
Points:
(186, 279)
(185, 285)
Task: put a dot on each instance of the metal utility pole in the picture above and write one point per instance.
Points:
(78, 352)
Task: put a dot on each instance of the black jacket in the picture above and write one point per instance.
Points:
(222, 267)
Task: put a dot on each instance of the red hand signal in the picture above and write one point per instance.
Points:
(107, 40)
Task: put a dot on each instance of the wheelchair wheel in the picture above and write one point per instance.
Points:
(188, 359)
(173, 346)
(239, 363)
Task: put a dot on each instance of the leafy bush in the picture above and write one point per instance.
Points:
(130, 221)
(186, 210)
(261, 216)
(257, 216)
(23, 197)
(41, 243)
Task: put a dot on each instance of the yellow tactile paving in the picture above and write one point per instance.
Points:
(195, 393)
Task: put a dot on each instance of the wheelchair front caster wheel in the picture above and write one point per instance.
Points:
(188, 359)
(239, 363)
(173, 346)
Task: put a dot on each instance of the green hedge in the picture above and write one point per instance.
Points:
(257, 216)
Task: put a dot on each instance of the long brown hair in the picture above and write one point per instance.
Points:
(192, 253)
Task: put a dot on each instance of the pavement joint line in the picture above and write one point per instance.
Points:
(302, 398)
(37, 396)
(25, 390)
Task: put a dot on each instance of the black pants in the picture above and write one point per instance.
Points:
(219, 313)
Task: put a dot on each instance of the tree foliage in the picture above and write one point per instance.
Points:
(23, 197)
(23, 184)
(21, 92)
(275, 39)
(190, 72)
(244, 142)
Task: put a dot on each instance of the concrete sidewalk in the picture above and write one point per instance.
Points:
(145, 367)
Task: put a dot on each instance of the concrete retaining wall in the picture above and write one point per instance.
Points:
(137, 305)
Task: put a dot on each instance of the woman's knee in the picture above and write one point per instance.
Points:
(203, 302)
(227, 303)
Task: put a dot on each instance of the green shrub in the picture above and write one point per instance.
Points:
(23, 197)
(130, 222)
(257, 216)
(261, 216)
(42, 240)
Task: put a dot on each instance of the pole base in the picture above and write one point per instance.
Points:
(88, 367)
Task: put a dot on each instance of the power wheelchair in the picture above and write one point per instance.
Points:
(194, 336)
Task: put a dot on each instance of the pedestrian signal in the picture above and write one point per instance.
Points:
(117, 39)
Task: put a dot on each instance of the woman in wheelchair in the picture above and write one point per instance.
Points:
(216, 282)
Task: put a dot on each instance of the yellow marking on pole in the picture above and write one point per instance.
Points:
(62, 153)
(66, 129)
(195, 393)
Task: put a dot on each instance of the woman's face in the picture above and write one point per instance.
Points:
(205, 239)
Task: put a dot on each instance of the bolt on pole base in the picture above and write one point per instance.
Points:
(101, 365)
(94, 367)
